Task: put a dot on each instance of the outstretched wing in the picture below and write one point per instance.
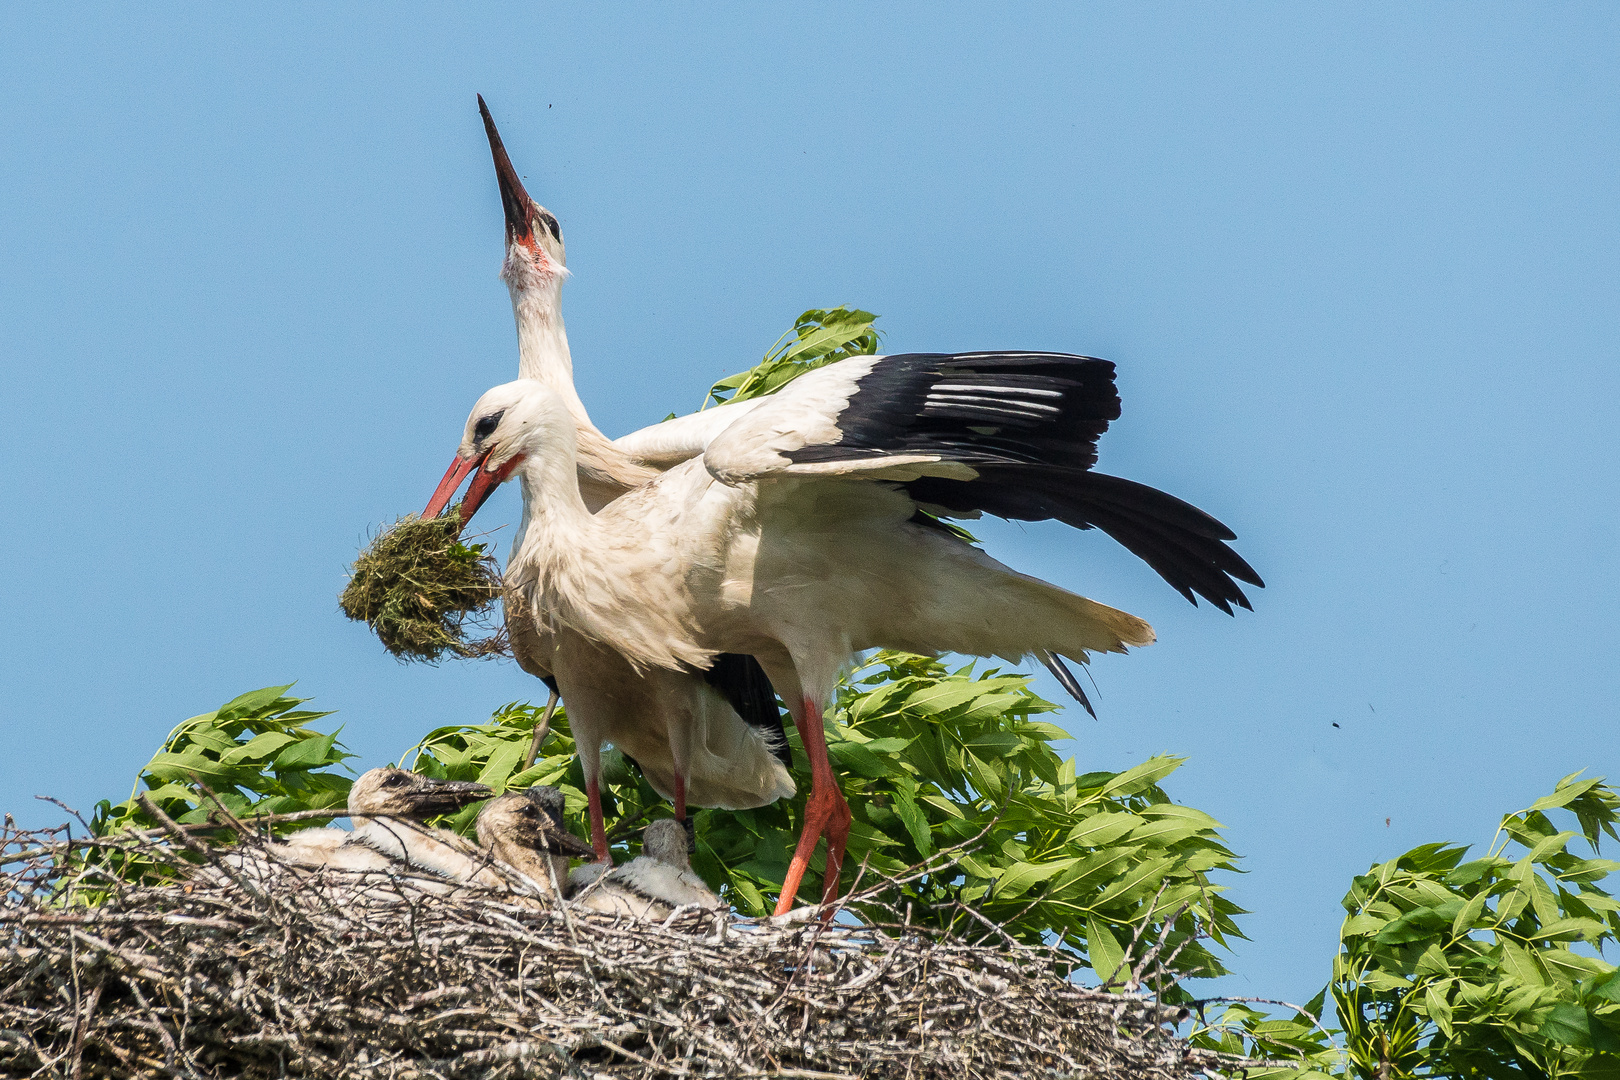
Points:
(1012, 434)
(665, 445)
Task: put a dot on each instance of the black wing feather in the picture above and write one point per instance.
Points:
(1028, 424)
(743, 683)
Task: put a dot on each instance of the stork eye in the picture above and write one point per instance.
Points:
(486, 426)
(393, 780)
(551, 226)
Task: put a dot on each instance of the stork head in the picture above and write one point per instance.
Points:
(665, 841)
(534, 245)
(518, 820)
(403, 794)
(505, 426)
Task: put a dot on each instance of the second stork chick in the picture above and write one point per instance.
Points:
(650, 886)
(524, 832)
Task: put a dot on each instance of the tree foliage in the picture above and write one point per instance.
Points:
(1489, 967)
(257, 754)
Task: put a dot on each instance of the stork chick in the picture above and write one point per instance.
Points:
(650, 886)
(388, 807)
(525, 833)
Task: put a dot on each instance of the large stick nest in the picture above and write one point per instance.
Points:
(213, 974)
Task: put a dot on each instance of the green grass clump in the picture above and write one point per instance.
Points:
(420, 588)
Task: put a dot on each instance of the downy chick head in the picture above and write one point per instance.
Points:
(665, 840)
(403, 794)
(535, 257)
(516, 821)
(550, 800)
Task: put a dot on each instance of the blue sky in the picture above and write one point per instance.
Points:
(1356, 264)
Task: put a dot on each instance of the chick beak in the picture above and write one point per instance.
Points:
(430, 798)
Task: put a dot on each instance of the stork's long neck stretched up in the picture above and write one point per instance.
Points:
(605, 471)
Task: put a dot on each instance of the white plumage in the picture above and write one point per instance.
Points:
(802, 531)
(799, 571)
(687, 737)
(650, 886)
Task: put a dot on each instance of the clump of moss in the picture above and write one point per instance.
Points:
(420, 589)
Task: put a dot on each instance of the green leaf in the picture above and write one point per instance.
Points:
(1565, 793)
(905, 806)
(1437, 1008)
(1099, 830)
(1358, 925)
(306, 754)
(1418, 925)
(1143, 776)
(252, 702)
(1567, 1025)
(1468, 916)
(1106, 954)
(1017, 878)
(258, 748)
(1196, 818)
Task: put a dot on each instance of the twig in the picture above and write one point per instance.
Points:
(231, 819)
(541, 730)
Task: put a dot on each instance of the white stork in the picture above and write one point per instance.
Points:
(711, 739)
(388, 807)
(797, 536)
(524, 830)
(650, 886)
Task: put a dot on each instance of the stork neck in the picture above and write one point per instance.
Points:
(549, 477)
(605, 471)
(526, 861)
(543, 341)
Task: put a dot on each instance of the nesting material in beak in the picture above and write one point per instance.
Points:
(424, 593)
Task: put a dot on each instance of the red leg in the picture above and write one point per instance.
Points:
(825, 812)
(680, 795)
(593, 796)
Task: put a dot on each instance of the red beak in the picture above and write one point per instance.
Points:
(446, 490)
(482, 487)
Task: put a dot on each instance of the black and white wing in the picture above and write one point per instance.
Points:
(1012, 434)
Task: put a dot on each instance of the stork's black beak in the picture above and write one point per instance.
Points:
(514, 199)
(428, 797)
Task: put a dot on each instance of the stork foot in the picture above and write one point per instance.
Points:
(826, 813)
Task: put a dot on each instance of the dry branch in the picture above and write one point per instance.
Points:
(322, 974)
